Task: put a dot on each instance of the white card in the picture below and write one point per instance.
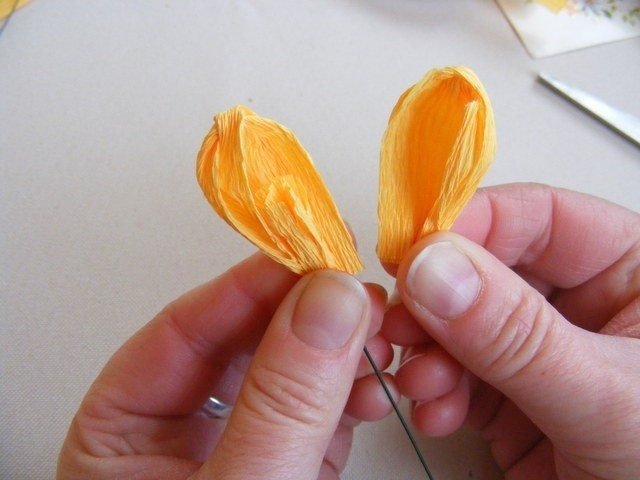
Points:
(582, 23)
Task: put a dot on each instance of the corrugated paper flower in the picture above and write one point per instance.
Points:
(438, 145)
(262, 182)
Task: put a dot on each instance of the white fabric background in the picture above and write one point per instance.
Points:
(103, 106)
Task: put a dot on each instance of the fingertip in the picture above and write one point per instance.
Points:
(347, 421)
(474, 222)
(337, 453)
(427, 373)
(390, 268)
(328, 472)
(377, 292)
(401, 328)
(378, 300)
(368, 400)
(444, 415)
(382, 353)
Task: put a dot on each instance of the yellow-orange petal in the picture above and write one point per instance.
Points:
(262, 182)
(438, 145)
(7, 5)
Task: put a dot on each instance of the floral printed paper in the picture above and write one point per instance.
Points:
(550, 27)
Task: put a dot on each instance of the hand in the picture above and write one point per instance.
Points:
(141, 419)
(532, 339)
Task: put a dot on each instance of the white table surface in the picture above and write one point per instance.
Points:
(103, 106)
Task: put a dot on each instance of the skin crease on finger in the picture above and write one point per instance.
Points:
(594, 283)
(442, 416)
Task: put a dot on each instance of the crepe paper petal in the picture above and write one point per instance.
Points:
(554, 5)
(438, 145)
(262, 182)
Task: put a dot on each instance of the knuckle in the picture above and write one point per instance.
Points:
(523, 338)
(195, 342)
(283, 397)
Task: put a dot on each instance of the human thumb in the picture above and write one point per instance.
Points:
(298, 383)
(506, 333)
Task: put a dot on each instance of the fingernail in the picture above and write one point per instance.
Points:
(443, 280)
(380, 290)
(329, 310)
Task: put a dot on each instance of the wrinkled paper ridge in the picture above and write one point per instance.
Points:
(439, 143)
(261, 181)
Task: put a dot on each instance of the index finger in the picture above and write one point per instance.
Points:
(582, 250)
(562, 237)
(170, 366)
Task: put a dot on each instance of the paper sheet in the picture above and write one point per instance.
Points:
(582, 23)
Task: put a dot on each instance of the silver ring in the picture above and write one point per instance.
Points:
(214, 408)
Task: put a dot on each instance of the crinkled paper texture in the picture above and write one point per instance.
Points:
(439, 143)
(262, 182)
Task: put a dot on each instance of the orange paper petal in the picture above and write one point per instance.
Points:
(437, 147)
(262, 182)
